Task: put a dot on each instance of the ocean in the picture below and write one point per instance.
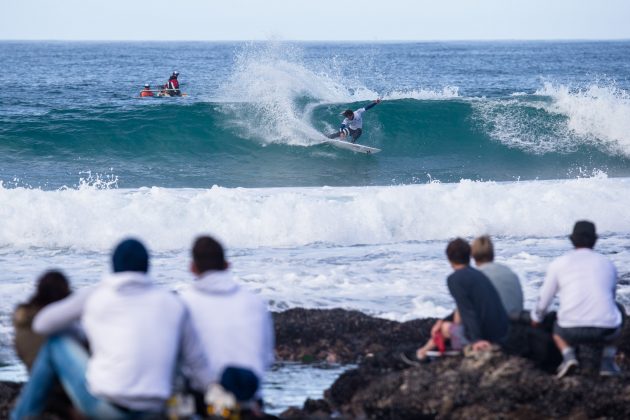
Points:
(513, 139)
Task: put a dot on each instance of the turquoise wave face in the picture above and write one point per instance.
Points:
(201, 144)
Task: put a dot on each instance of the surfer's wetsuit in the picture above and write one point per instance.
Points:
(353, 127)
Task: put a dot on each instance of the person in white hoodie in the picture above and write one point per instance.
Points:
(136, 332)
(234, 324)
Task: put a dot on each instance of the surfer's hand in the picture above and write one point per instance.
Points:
(377, 101)
(342, 135)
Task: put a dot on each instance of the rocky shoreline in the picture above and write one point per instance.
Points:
(483, 385)
(488, 385)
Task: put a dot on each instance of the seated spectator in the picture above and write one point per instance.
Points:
(136, 331)
(480, 318)
(51, 287)
(502, 278)
(585, 283)
(234, 324)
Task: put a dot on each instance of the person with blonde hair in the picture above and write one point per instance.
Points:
(480, 319)
(501, 276)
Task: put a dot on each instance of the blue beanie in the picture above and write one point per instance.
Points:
(130, 255)
(243, 383)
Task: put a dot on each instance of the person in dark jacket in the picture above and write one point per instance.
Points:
(480, 318)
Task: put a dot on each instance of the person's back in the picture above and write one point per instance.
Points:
(586, 282)
(146, 92)
(507, 284)
(479, 305)
(480, 318)
(234, 324)
(502, 278)
(172, 86)
(133, 328)
(25, 340)
(51, 287)
(136, 332)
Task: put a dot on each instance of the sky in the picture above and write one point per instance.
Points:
(317, 20)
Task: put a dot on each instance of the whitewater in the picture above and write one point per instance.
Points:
(515, 140)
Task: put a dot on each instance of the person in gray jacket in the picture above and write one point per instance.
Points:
(501, 276)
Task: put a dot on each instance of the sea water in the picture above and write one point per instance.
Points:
(513, 139)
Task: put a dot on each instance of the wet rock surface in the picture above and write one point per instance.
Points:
(479, 385)
(340, 336)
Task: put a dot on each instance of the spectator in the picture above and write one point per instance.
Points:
(234, 324)
(585, 283)
(51, 287)
(135, 331)
(480, 318)
(502, 278)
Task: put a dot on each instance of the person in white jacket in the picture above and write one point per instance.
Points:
(234, 324)
(136, 332)
(585, 282)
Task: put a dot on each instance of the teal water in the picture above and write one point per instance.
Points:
(255, 113)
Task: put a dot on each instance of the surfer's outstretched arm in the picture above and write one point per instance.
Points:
(373, 104)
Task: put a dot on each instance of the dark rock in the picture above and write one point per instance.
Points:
(340, 336)
(482, 385)
(8, 393)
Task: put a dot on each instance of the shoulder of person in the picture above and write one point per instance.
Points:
(24, 314)
(501, 267)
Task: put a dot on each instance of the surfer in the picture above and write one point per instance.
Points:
(172, 86)
(352, 124)
(146, 91)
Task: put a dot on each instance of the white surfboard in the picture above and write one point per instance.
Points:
(355, 147)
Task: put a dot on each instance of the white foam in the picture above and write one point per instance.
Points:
(91, 219)
(560, 119)
(265, 94)
(598, 113)
(524, 124)
(266, 86)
